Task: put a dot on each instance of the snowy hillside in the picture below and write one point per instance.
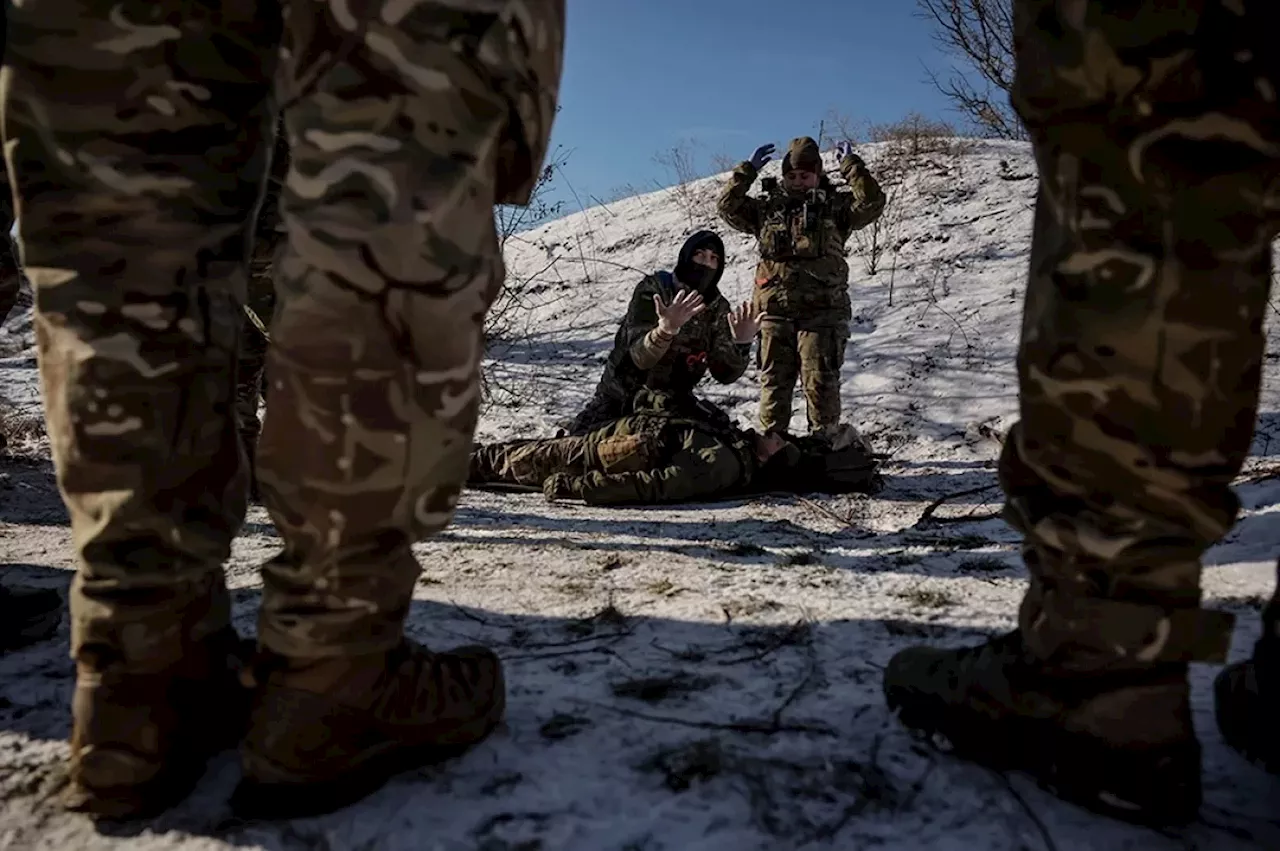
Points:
(703, 677)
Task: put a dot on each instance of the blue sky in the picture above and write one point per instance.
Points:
(641, 75)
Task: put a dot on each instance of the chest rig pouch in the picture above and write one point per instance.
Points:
(793, 226)
(626, 453)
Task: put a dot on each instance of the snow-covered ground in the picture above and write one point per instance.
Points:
(701, 677)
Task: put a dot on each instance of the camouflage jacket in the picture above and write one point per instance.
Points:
(643, 356)
(802, 275)
(657, 456)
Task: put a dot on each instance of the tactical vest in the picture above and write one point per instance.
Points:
(793, 227)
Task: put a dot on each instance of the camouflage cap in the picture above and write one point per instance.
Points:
(802, 155)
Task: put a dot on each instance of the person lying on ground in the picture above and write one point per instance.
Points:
(659, 455)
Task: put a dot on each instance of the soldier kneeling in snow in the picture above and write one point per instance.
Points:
(678, 328)
(658, 454)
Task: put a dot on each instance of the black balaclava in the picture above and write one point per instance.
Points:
(695, 275)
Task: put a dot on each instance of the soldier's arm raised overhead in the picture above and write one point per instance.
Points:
(867, 199)
(738, 209)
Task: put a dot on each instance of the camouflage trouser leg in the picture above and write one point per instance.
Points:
(821, 357)
(529, 462)
(1142, 343)
(779, 369)
(392, 261)
(600, 411)
(139, 152)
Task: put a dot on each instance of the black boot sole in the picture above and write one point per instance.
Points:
(1150, 787)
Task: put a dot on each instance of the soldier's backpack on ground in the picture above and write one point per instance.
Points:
(841, 464)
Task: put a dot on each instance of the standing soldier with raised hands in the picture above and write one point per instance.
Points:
(802, 279)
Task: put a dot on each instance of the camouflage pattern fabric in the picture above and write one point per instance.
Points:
(1157, 137)
(802, 275)
(815, 356)
(643, 356)
(643, 459)
(802, 279)
(528, 462)
(152, 122)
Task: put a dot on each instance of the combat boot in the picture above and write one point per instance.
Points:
(28, 615)
(1247, 696)
(1119, 744)
(326, 732)
(140, 742)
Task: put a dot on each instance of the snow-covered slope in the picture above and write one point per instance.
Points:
(704, 677)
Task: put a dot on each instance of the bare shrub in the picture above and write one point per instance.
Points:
(506, 322)
(914, 136)
(880, 236)
(680, 161)
(835, 127)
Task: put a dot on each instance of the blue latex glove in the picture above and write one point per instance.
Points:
(845, 149)
(762, 155)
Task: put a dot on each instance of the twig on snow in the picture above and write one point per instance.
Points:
(768, 728)
(927, 517)
(827, 512)
(918, 786)
(1049, 844)
(858, 806)
(793, 635)
(471, 616)
(796, 692)
(609, 639)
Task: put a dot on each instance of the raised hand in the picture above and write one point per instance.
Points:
(762, 155)
(672, 317)
(744, 323)
(844, 150)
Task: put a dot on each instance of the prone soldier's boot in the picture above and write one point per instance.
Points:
(28, 615)
(1117, 740)
(1247, 696)
(326, 732)
(140, 742)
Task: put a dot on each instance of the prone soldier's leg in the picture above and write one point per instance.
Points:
(406, 126)
(1142, 346)
(136, 137)
(779, 369)
(821, 357)
(528, 462)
